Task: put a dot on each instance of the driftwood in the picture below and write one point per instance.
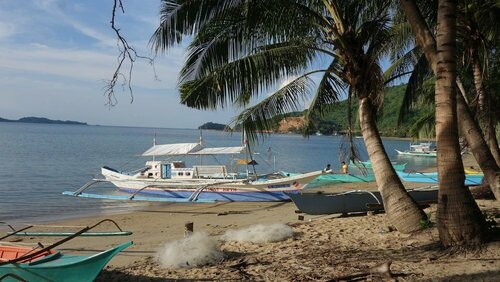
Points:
(381, 271)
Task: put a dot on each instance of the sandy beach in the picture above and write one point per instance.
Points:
(321, 248)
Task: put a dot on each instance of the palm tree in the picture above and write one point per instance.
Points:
(473, 134)
(243, 48)
(460, 222)
(478, 26)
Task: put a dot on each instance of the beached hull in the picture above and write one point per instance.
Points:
(473, 171)
(62, 267)
(360, 201)
(330, 179)
(432, 177)
(226, 190)
(417, 154)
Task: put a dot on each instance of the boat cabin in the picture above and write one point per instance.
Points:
(178, 170)
(424, 147)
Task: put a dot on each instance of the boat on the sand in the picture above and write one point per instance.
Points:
(432, 177)
(368, 164)
(53, 265)
(337, 178)
(45, 263)
(353, 201)
(473, 171)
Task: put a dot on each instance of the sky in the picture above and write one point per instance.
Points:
(55, 56)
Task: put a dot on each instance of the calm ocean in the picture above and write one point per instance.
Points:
(40, 161)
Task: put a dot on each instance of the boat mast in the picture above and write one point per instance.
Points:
(201, 145)
(247, 151)
(154, 142)
(244, 143)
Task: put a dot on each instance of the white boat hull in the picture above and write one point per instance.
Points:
(213, 189)
(418, 154)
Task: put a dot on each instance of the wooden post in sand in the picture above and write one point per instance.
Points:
(188, 229)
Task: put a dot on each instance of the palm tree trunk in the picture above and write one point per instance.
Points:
(484, 109)
(460, 222)
(478, 146)
(467, 125)
(402, 211)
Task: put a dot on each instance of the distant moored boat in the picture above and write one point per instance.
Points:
(424, 149)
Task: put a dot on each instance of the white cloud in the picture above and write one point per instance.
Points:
(6, 30)
(91, 66)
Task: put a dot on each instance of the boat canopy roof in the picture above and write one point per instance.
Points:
(172, 149)
(219, 151)
(190, 149)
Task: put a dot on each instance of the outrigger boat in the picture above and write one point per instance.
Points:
(21, 263)
(432, 177)
(473, 170)
(53, 265)
(173, 181)
(424, 149)
(337, 178)
(368, 164)
(354, 201)
(53, 233)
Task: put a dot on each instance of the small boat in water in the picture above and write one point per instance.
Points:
(432, 177)
(353, 201)
(424, 149)
(173, 181)
(52, 265)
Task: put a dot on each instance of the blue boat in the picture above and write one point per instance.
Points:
(337, 178)
(368, 164)
(60, 267)
(432, 177)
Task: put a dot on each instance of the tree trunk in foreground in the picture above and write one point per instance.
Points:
(478, 146)
(484, 109)
(460, 222)
(466, 122)
(402, 211)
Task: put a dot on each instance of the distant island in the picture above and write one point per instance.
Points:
(42, 120)
(214, 126)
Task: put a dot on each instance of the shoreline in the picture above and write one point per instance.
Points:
(322, 247)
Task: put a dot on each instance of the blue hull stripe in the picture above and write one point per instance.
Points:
(262, 196)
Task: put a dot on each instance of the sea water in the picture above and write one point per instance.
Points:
(40, 161)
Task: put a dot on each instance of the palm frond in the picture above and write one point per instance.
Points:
(258, 119)
(185, 17)
(402, 66)
(424, 127)
(328, 92)
(239, 80)
(421, 72)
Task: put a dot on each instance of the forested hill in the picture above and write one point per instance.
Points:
(336, 120)
(213, 126)
(43, 120)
